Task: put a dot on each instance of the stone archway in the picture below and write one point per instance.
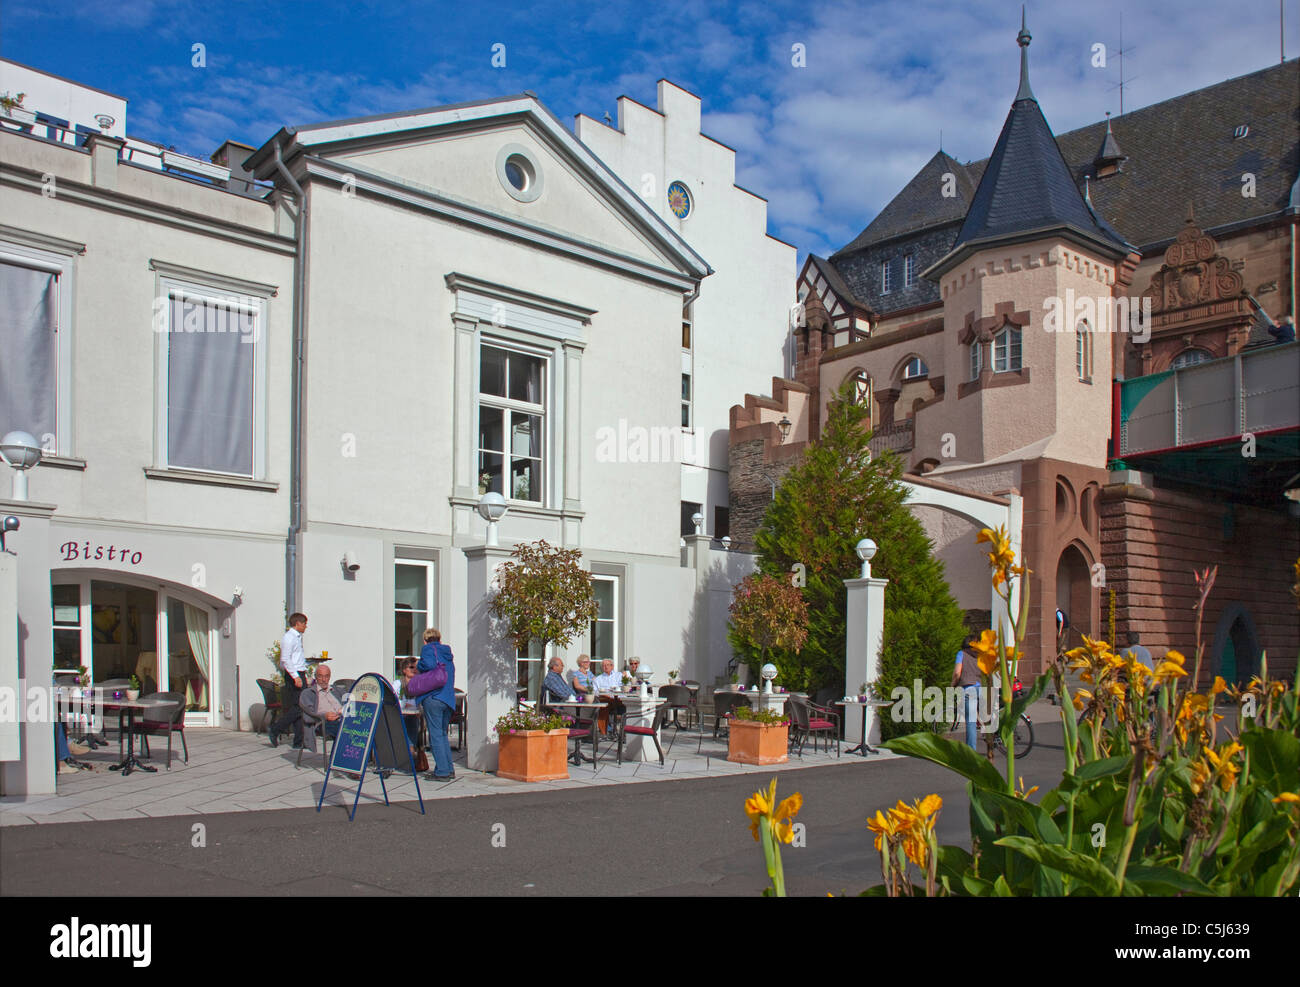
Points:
(1074, 590)
(1235, 652)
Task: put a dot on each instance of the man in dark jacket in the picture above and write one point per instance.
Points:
(439, 704)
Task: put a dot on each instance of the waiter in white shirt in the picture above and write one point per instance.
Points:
(294, 666)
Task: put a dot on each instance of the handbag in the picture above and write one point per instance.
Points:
(421, 761)
(426, 682)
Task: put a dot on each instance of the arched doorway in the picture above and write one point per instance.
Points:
(1074, 591)
(1236, 648)
(116, 627)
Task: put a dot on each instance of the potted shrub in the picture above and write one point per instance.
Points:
(533, 746)
(133, 689)
(758, 736)
(14, 109)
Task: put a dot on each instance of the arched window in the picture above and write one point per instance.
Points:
(862, 389)
(1006, 350)
(1083, 350)
(1189, 358)
(915, 368)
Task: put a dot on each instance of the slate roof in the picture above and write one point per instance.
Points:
(837, 283)
(1178, 151)
(1027, 186)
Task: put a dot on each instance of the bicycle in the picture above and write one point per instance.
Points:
(1022, 737)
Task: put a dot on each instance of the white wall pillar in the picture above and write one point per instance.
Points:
(27, 648)
(488, 664)
(864, 634)
(697, 558)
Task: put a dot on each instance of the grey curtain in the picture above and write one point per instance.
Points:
(28, 350)
(209, 389)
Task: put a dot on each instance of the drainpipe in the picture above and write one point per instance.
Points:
(299, 357)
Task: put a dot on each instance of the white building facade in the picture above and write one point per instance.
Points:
(288, 392)
(734, 335)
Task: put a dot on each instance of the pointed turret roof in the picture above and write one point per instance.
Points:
(1027, 190)
(1109, 152)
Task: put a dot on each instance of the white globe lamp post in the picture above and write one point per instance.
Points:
(492, 508)
(20, 452)
(866, 550)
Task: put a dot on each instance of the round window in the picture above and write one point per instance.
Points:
(679, 200)
(519, 173)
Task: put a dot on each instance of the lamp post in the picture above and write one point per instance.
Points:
(866, 550)
(19, 450)
(768, 672)
(492, 508)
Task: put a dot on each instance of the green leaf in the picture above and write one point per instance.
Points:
(1087, 870)
(1164, 881)
(1104, 768)
(1001, 889)
(1274, 759)
(952, 755)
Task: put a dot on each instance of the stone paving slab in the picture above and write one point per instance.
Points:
(240, 772)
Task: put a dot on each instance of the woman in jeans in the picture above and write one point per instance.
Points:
(438, 705)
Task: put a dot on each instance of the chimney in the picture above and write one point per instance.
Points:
(232, 155)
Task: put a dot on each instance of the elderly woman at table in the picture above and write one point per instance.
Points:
(583, 681)
(554, 688)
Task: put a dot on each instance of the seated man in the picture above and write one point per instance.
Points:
(608, 680)
(583, 681)
(554, 688)
(319, 703)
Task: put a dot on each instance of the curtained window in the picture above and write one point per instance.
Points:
(28, 351)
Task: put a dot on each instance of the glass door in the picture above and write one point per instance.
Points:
(189, 654)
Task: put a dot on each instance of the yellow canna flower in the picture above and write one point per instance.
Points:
(1002, 558)
(1167, 671)
(1218, 686)
(781, 818)
(1081, 696)
(1290, 797)
(930, 805)
(1224, 768)
(882, 826)
(1200, 775)
(758, 805)
(986, 651)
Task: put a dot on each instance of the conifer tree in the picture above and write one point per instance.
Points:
(837, 495)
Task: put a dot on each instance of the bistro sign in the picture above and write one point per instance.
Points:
(73, 551)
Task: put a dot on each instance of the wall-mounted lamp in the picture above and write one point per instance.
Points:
(350, 563)
(10, 524)
(784, 425)
(726, 543)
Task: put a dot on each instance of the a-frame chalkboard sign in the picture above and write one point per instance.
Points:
(372, 725)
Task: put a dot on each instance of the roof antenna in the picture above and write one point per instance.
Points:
(1121, 51)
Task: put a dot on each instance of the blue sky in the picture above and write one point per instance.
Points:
(828, 144)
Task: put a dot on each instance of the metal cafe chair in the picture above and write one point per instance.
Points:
(271, 700)
(678, 698)
(651, 731)
(167, 720)
(723, 705)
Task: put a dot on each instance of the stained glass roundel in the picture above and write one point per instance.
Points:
(679, 200)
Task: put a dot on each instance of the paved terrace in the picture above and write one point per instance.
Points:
(240, 772)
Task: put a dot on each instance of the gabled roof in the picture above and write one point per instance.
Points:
(916, 207)
(359, 131)
(836, 282)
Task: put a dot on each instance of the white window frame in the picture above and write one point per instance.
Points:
(61, 265)
(1010, 340)
(235, 299)
(886, 276)
(544, 409)
(1177, 363)
(1083, 351)
(976, 359)
(430, 567)
(922, 371)
(688, 402)
(909, 270)
(616, 621)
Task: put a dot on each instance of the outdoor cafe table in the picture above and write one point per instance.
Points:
(640, 713)
(577, 757)
(130, 706)
(863, 747)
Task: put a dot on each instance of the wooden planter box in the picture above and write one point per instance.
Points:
(534, 755)
(749, 742)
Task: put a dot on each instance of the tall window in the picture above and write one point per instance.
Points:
(909, 270)
(976, 363)
(686, 400)
(1006, 350)
(862, 389)
(414, 604)
(211, 343)
(886, 277)
(511, 423)
(1083, 351)
(29, 351)
(603, 641)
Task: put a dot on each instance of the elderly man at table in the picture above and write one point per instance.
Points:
(608, 679)
(554, 688)
(319, 703)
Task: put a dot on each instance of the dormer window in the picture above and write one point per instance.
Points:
(909, 270)
(1006, 350)
(886, 277)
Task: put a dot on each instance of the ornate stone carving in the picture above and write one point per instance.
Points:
(1194, 273)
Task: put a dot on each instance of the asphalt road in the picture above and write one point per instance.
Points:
(688, 837)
